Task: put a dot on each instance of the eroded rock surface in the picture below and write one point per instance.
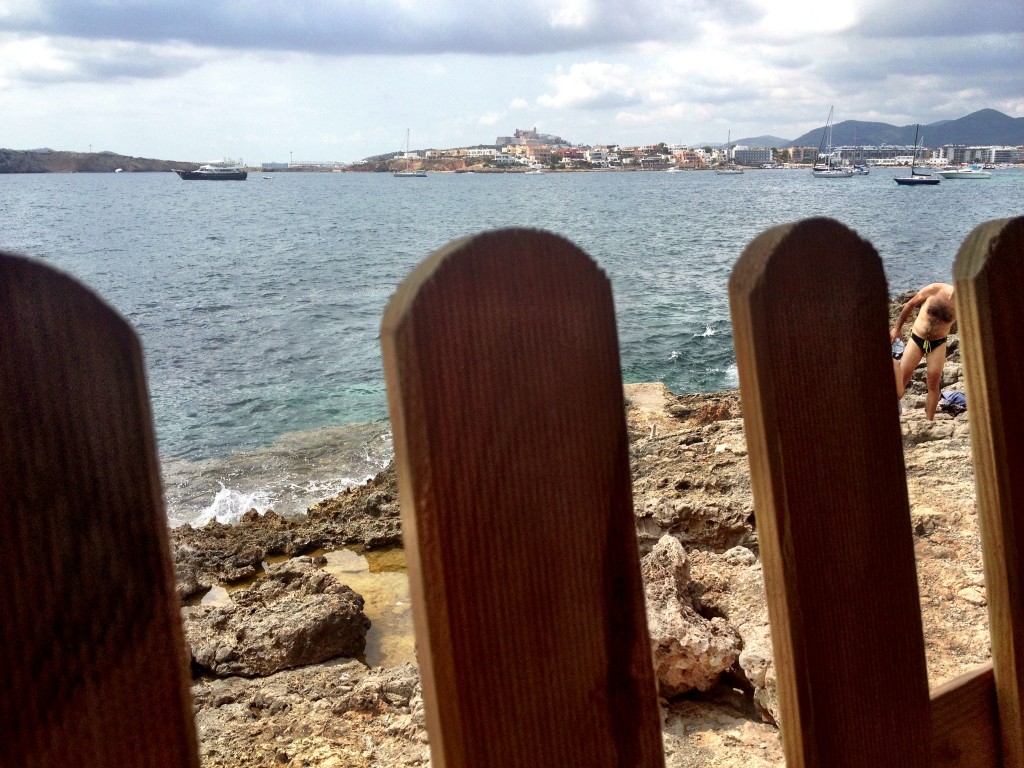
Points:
(297, 614)
(690, 651)
(338, 714)
(690, 476)
(730, 585)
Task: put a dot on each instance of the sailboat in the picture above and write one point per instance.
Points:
(916, 178)
(730, 168)
(826, 170)
(408, 172)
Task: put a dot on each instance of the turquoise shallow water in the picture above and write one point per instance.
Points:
(259, 302)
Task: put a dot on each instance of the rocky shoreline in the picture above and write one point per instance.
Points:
(275, 681)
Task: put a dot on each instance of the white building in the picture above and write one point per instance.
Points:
(752, 156)
(597, 157)
(955, 153)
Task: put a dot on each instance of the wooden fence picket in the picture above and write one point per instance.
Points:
(94, 665)
(989, 280)
(965, 722)
(505, 391)
(810, 322)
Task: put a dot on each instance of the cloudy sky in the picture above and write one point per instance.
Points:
(267, 80)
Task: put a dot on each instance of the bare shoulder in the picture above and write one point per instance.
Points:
(935, 289)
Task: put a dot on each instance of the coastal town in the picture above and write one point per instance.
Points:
(987, 138)
(528, 150)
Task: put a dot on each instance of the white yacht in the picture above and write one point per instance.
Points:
(215, 172)
(970, 172)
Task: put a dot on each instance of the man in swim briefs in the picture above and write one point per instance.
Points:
(927, 339)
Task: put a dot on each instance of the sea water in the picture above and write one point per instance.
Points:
(258, 303)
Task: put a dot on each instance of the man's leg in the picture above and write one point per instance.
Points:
(934, 377)
(899, 379)
(911, 357)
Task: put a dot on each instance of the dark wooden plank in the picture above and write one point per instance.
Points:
(95, 668)
(989, 279)
(505, 390)
(809, 312)
(965, 722)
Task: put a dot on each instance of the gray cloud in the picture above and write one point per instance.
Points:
(965, 61)
(940, 18)
(349, 27)
(83, 61)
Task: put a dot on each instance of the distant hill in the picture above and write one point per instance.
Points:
(49, 161)
(985, 127)
(752, 141)
(763, 141)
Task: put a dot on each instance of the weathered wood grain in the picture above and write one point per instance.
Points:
(94, 665)
(809, 311)
(505, 391)
(965, 722)
(989, 279)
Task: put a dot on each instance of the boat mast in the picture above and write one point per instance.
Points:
(826, 135)
(913, 156)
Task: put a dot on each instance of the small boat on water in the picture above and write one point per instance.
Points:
(729, 169)
(828, 169)
(916, 179)
(831, 173)
(970, 172)
(408, 172)
(214, 172)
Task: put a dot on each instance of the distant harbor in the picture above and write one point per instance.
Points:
(985, 137)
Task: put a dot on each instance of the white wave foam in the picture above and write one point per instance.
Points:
(328, 487)
(732, 377)
(229, 505)
(709, 330)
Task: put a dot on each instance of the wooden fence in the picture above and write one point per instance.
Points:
(810, 322)
(506, 399)
(503, 382)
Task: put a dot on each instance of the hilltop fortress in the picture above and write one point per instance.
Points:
(524, 138)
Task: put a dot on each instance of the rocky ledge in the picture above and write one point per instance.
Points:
(296, 615)
(275, 683)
